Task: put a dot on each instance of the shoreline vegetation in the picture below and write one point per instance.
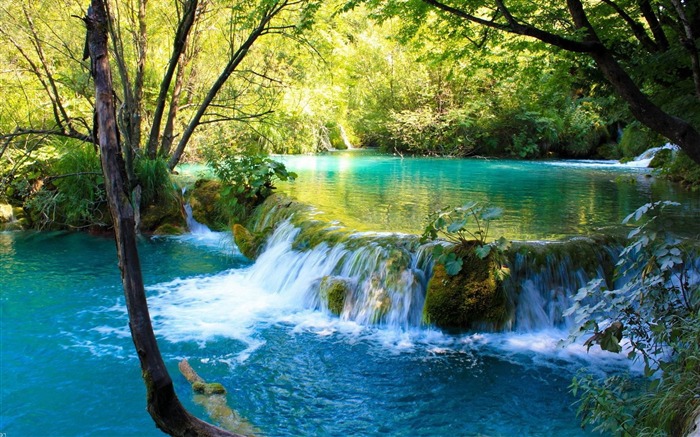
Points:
(228, 85)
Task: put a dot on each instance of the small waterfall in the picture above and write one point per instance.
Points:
(193, 225)
(345, 138)
(645, 158)
(386, 275)
(545, 276)
(386, 281)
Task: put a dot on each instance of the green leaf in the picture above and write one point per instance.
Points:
(483, 251)
(456, 226)
(453, 264)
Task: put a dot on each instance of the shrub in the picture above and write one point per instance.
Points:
(655, 308)
(247, 180)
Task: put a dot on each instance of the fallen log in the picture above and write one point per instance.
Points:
(212, 396)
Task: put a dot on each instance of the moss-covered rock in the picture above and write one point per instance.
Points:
(248, 243)
(208, 388)
(204, 199)
(472, 297)
(662, 158)
(169, 229)
(334, 291)
(163, 216)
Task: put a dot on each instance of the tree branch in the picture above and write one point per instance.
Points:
(637, 28)
(517, 28)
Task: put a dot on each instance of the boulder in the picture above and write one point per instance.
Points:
(474, 297)
(205, 200)
(334, 291)
(248, 243)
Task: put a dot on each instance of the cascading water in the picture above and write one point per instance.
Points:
(386, 276)
(645, 158)
(193, 225)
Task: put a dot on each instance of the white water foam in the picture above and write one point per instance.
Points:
(238, 304)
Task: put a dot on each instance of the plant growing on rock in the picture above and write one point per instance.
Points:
(248, 179)
(655, 308)
(465, 226)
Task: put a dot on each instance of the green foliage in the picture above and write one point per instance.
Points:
(636, 139)
(154, 177)
(73, 196)
(464, 226)
(683, 170)
(655, 308)
(247, 180)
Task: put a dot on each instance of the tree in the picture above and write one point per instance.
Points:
(646, 50)
(163, 99)
(163, 405)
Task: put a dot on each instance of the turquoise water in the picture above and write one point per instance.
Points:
(68, 365)
(542, 200)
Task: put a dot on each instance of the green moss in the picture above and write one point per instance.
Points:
(636, 139)
(588, 254)
(474, 296)
(662, 158)
(683, 170)
(334, 292)
(168, 211)
(204, 199)
(208, 388)
(248, 243)
(169, 229)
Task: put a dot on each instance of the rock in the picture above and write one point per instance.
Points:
(6, 213)
(205, 200)
(165, 217)
(471, 298)
(208, 388)
(169, 229)
(333, 291)
(248, 243)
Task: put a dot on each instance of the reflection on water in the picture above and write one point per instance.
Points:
(541, 200)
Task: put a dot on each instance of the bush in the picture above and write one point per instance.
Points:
(636, 139)
(683, 170)
(154, 177)
(655, 308)
(247, 180)
(73, 195)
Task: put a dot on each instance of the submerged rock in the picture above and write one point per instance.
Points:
(473, 297)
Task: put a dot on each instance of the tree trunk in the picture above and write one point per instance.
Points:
(179, 47)
(677, 130)
(162, 403)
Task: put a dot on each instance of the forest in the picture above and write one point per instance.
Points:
(198, 80)
(107, 104)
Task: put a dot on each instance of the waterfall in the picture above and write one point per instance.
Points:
(544, 277)
(386, 281)
(345, 138)
(645, 158)
(193, 225)
(385, 276)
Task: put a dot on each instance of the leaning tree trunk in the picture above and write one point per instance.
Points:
(163, 405)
